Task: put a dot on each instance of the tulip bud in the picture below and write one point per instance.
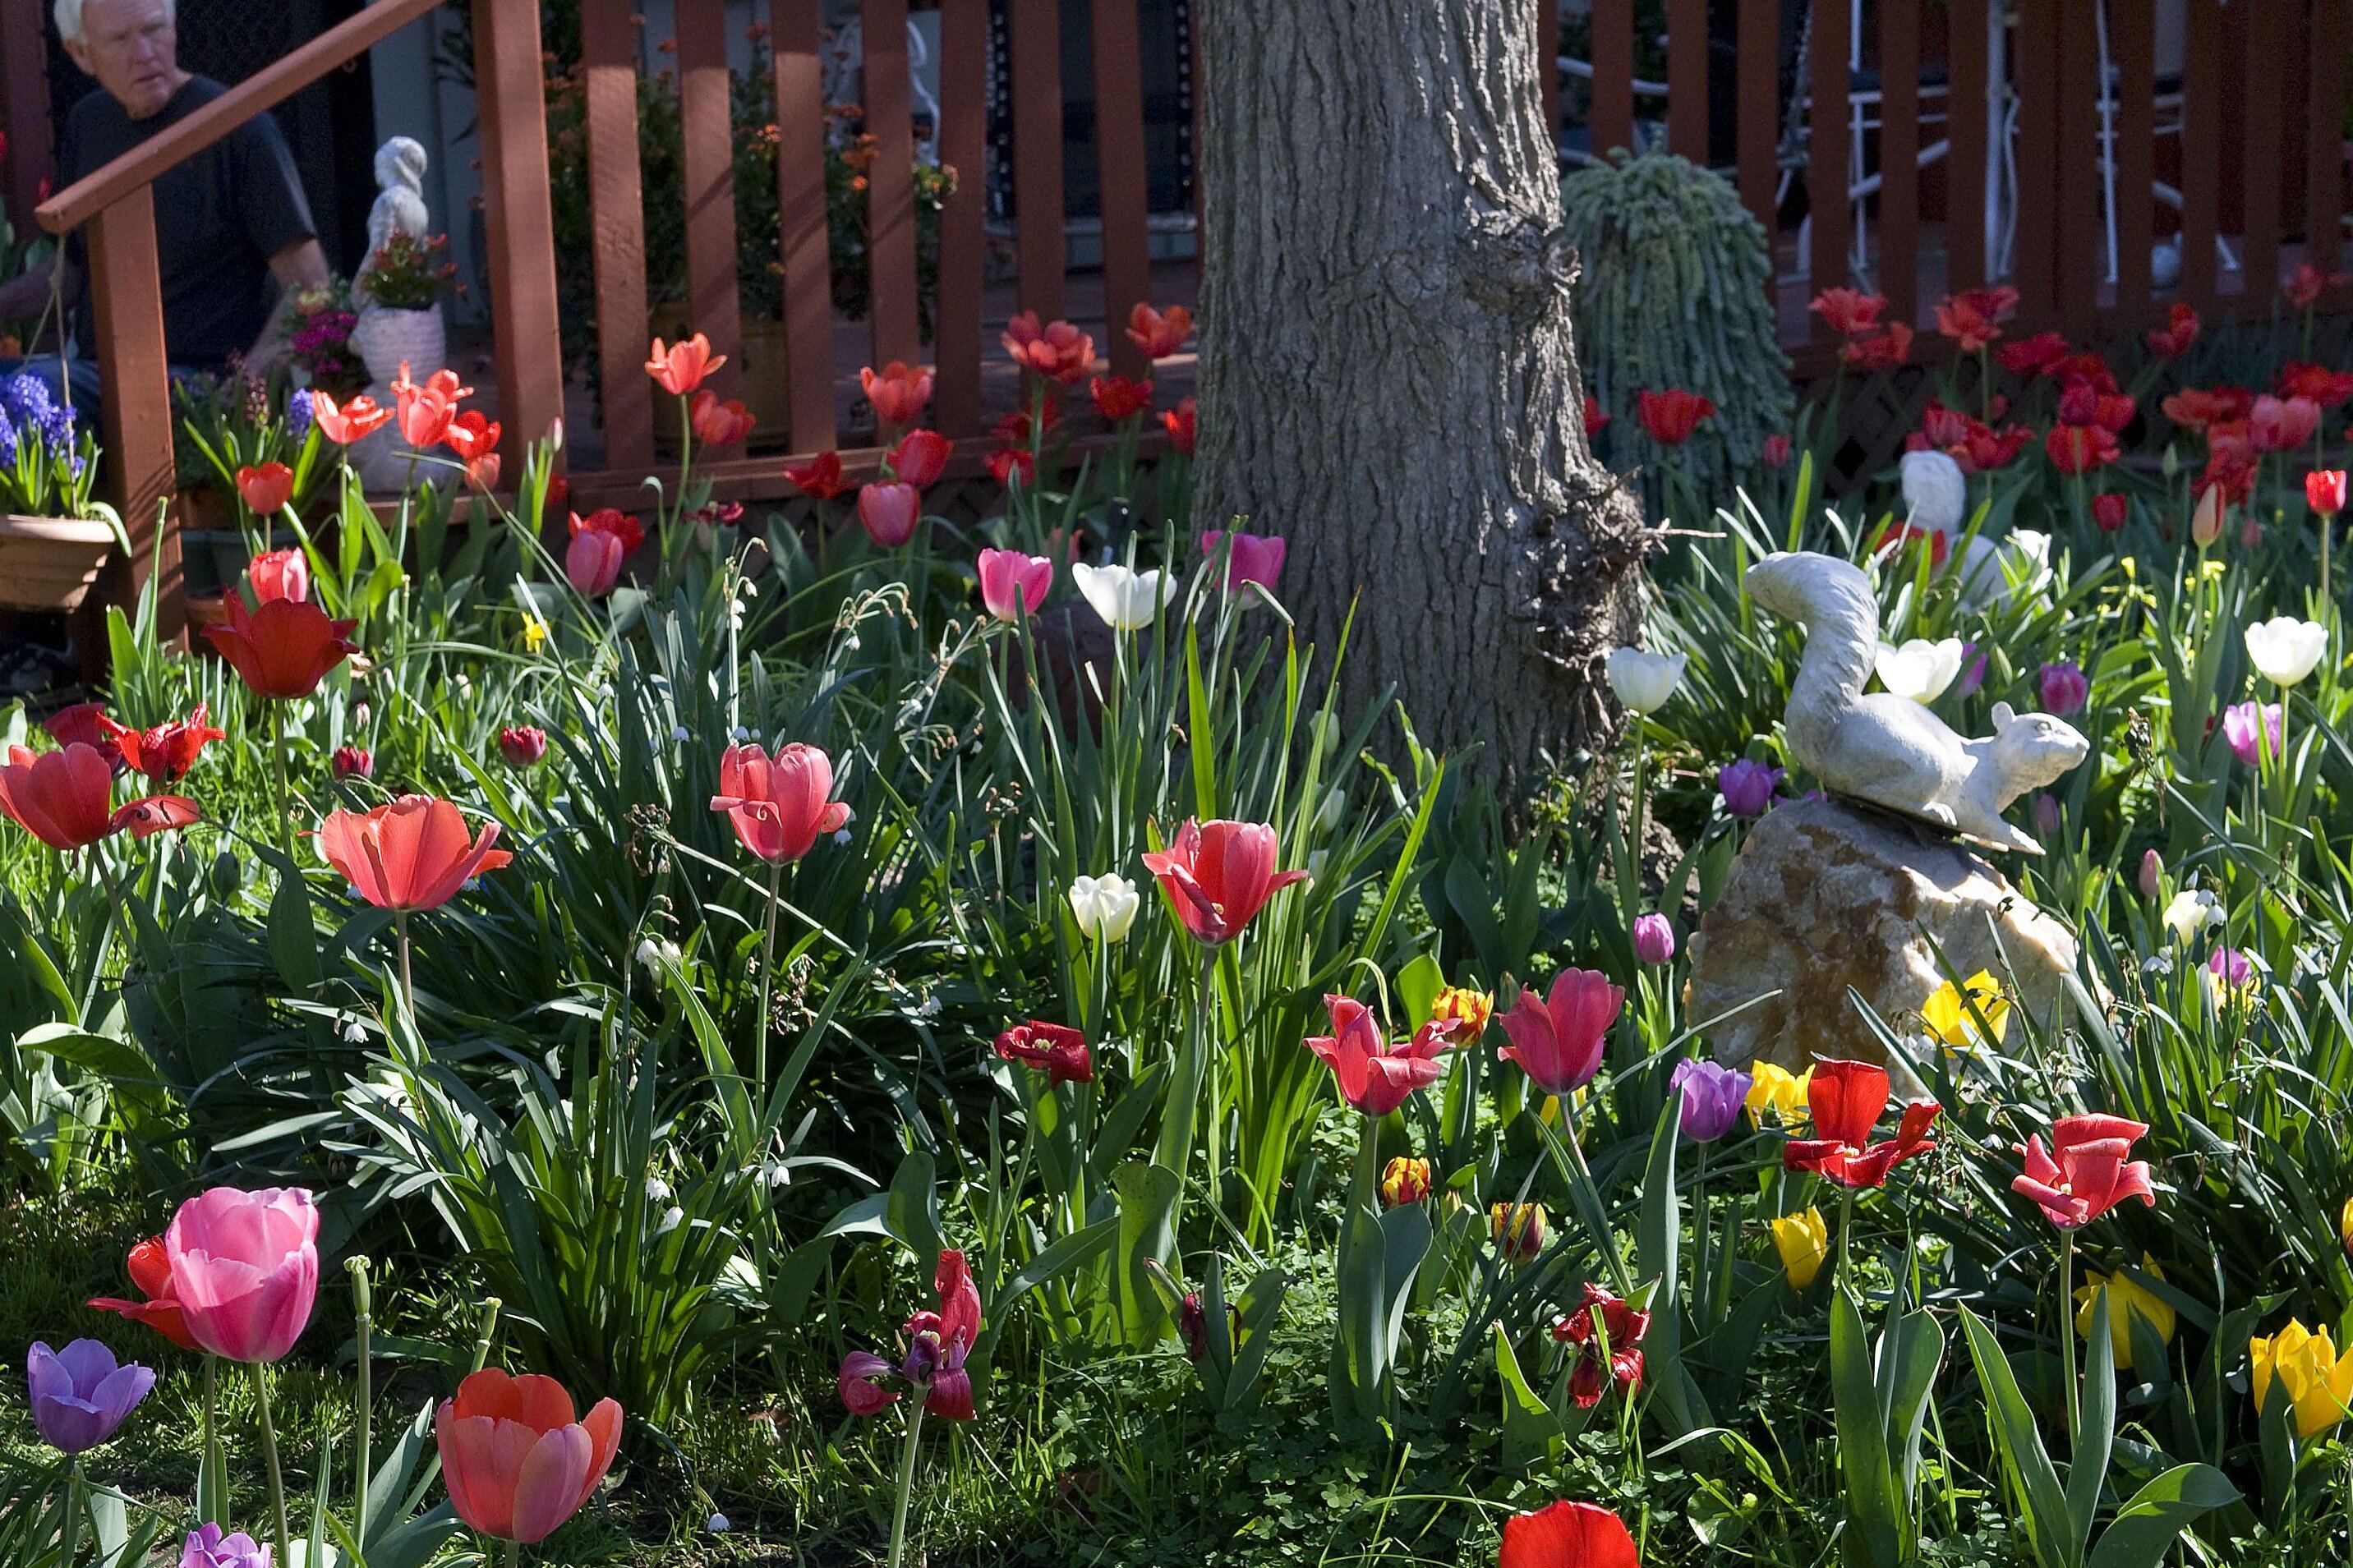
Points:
(352, 763)
(522, 745)
(2046, 814)
(2171, 462)
(1518, 1230)
(2345, 1227)
(2251, 532)
(2206, 522)
(1655, 939)
(1405, 1181)
(2152, 874)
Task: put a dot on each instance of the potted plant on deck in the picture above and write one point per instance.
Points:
(54, 536)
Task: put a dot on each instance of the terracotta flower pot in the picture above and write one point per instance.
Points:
(50, 563)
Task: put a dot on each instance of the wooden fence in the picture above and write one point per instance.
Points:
(1949, 99)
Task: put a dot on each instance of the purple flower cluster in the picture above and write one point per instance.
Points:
(299, 414)
(323, 342)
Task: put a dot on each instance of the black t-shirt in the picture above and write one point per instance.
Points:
(220, 217)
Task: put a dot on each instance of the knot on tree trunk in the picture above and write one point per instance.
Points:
(1516, 261)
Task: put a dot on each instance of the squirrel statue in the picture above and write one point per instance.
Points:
(1889, 749)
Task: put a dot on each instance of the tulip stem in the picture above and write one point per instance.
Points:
(767, 981)
(212, 1492)
(364, 1323)
(907, 1485)
(278, 769)
(71, 1527)
(407, 982)
(514, 1555)
(2067, 1338)
(269, 1454)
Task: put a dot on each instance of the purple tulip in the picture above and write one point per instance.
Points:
(80, 1396)
(208, 1548)
(2046, 814)
(1973, 671)
(2065, 690)
(1655, 939)
(2238, 729)
(1713, 1097)
(1747, 787)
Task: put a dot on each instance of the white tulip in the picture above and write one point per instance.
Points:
(1126, 600)
(2191, 912)
(1105, 906)
(1643, 681)
(2284, 649)
(1920, 669)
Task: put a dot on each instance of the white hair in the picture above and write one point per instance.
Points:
(69, 13)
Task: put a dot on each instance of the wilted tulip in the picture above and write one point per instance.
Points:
(1603, 1326)
(937, 1344)
(79, 1395)
(166, 753)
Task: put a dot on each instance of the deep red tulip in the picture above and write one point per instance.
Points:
(2323, 490)
(1178, 422)
(409, 854)
(1376, 1075)
(1558, 1039)
(2079, 449)
(1671, 416)
(2108, 513)
(889, 512)
(266, 489)
(2030, 357)
(681, 367)
(352, 763)
(1603, 1317)
(2323, 385)
(278, 574)
(1118, 399)
(167, 751)
(898, 391)
(2086, 1174)
(779, 805)
(1055, 1049)
(718, 424)
(1778, 450)
(1012, 584)
(1159, 334)
(282, 650)
(820, 478)
(151, 1271)
(1568, 1535)
(1219, 875)
(65, 799)
(353, 421)
(1845, 1099)
(84, 723)
(522, 745)
(2180, 330)
(1882, 351)
(517, 1463)
(424, 413)
(1008, 464)
(1848, 310)
(1972, 318)
(1596, 418)
(1058, 352)
(920, 458)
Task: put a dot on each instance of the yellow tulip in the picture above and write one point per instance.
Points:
(1949, 1017)
(2345, 1226)
(1804, 1241)
(1519, 1231)
(1470, 1008)
(1780, 1090)
(2318, 1382)
(1404, 1181)
(2127, 1300)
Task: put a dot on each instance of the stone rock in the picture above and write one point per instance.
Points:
(1827, 894)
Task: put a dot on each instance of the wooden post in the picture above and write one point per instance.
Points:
(707, 161)
(1968, 265)
(893, 312)
(1899, 161)
(127, 294)
(24, 109)
(511, 101)
(1610, 120)
(1037, 28)
(1687, 117)
(618, 223)
(800, 206)
(963, 147)
(1119, 158)
(1826, 156)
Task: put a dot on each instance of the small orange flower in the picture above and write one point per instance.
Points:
(681, 367)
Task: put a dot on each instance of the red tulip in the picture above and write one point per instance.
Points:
(2030, 357)
(682, 366)
(2180, 330)
(167, 751)
(2323, 490)
(1603, 1317)
(352, 763)
(2079, 449)
(267, 489)
(820, 478)
(1671, 416)
(898, 391)
(889, 512)
(522, 745)
(920, 458)
(1219, 875)
(1568, 1535)
(282, 650)
(1885, 351)
(600, 543)
(1848, 310)
(1178, 422)
(1008, 463)
(1255, 558)
(2281, 424)
(937, 1344)
(424, 413)
(1596, 420)
(1374, 1075)
(65, 799)
(1058, 352)
(1159, 333)
(2108, 513)
(353, 421)
(151, 1271)
(1055, 1049)
(517, 1463)
(1972, 318)
(483, 471)
(84, 723)
(1989, 449)
(2194, 409)
(1012, 584)
(718, 424)
(1845, 1099)
(278, 574)
(409, 854)
(2086, 1172)
(1118, 399)
(2305, 288)
(1558, 1039)
(1778, 450)
(779, 805)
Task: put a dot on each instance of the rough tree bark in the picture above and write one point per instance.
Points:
(1388, 377)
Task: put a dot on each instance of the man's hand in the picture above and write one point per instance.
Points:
(299, 266)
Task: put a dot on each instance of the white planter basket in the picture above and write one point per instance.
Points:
(385, 340)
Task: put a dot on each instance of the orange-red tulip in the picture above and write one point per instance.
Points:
(1058, 351)
(517, 1462)
(472, 437)
(718, 424)
(409, 854)
(167, 751)
(1671, 416)
(1180, 423)
(353, 421)
(899, 391)
(1845, 1099)
(779, 805)
(267, 489)
(2323, 491)
(151, 1271)
(282, 650)
(65, 799)
(1118, 399)
(1568, 1535)
(681, 367)
(424, 413)
(820, 479)
(1159, 333)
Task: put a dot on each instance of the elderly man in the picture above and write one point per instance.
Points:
(233, 232)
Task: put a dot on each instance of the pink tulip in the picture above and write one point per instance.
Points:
(1256, 558)
(890, 512)
(1558, 1039)
(779, 805)
(245, 1269)
(1219, 875)
(1374, 1075)
(1012, 584)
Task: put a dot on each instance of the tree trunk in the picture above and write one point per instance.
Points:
(1389, 378)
